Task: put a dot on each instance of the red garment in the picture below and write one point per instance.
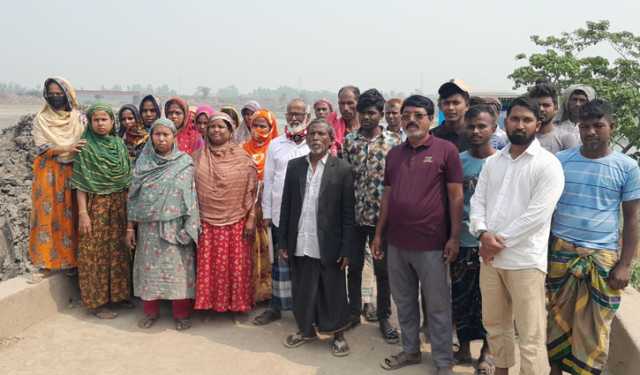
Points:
(223, 280)
(188, 137)
(181, 308)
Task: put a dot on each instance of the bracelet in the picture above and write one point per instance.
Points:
(82, 212)
(130, 230)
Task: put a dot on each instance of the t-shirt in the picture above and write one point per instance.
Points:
(418, 210)
(471, 168)
(588, 213)
(558, 139)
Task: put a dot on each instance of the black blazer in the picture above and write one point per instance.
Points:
(336, 212)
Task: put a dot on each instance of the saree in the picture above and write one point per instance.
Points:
(581, 307)
(188, 137)
(135, 137)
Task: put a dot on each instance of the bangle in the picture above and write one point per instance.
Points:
(82, 212)
(130, 230)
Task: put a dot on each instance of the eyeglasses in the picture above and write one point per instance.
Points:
(299, 115)
(418, 116)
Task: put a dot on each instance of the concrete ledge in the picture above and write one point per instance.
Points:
(23, 305)
(624, 350)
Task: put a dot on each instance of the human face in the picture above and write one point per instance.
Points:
(454, 107)
(479, 129)
(547, 108)
(246, 115)
(370, 118)
(149, 114)
(521, 126)
(54, 90)
(296, 114)
(101, 123)
(416, 122)
(175, 113)
(347, 102)
(127, 119)
(218, 133)
(319, 140)
(322, 110)
(260, 129)
(392, 116)
(576, 100)
(162, 138)
(201, 123)
(595, 133)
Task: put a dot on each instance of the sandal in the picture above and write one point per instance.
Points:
(295, 340)
(267, 317)
(340, 347)
(486, 366)
(182, 324)
(389, 333)
(147, 322)
(401, 360)
(104, 313)
(369, 312)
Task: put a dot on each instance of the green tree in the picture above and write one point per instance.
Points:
(203, 92)
(568, 59)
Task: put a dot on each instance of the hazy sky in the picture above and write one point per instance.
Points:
(315, 44)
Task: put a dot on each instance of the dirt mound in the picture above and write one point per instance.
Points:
(16, 158)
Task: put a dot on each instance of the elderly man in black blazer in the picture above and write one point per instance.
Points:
(316, 235)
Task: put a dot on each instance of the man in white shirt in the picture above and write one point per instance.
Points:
(511, 211)
(290, 145)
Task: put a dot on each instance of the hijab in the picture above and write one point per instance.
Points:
(59, 128)
(258, 144)
(154, 101)
(203, 109)
(188, 137)
(135, 135)
(103, 166)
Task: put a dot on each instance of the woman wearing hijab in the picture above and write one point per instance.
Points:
(188, 138)
(132, 130)
(202, 118)
(57, 130)
(264, 128)
(234, 114)
(226, 184)
(243, 132)
(149, 111)
(101, 176)
(162, 204)
(322, 108)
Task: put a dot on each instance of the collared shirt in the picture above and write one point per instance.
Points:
(281, 150)
(448, 134)
(588, 213)
(307, 243)
(418, 211)
(368, 159)
(515, 198)
(558, 139)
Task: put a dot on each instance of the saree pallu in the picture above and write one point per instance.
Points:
(261, 259)
(581, 307)
(104, 261)
(53, 240)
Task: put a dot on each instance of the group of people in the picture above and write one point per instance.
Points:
(484, 232)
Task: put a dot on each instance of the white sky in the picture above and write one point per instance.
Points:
(316, 44)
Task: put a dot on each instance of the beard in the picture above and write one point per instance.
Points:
(520, 138)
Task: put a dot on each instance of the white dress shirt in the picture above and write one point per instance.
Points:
(516, 199)
(280, 151)
(307, 243)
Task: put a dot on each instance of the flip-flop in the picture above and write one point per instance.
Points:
(147, 322)
(183, 324)
(389, 333)
(267, 317)
(486, 366)
(104, 314)
(399, 360)
(340, 347)
(295, 340)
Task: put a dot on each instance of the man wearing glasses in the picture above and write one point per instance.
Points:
(421, 215)
(290, 145)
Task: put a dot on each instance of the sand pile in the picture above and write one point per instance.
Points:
(16, 158)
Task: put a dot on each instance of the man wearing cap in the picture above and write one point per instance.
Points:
(292, 144)
(574, 97)
(421, 215)
(453, 101)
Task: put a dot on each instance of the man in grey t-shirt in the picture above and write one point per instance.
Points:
(551, 137)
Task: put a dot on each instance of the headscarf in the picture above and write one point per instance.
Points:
(135, 135)
(188, 137)
(153, 100)
(206, 109)
(59, 128)
(257, 148)
(233, 113)
(243, 133)
(325, 101)
(564, 110)
(103, 166)
(162, 190)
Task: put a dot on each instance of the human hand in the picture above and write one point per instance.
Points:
(376, 248)
(130, 239)
(344, 262)
(284, 254)
(490, 245)
(451, 250)
(619, 276)
(84, 223)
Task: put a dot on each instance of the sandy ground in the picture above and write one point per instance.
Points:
(73, 342)
(10, 113)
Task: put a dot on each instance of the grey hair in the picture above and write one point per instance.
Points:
(321, 121)
(298, 100)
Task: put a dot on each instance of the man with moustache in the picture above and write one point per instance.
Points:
(347, 121)
(393, 118)
(453, 101)
(511, 210)
(588, 266)
(316, 236)
(421, 216)
(554, 139)
(366, 151)
(283, 148)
